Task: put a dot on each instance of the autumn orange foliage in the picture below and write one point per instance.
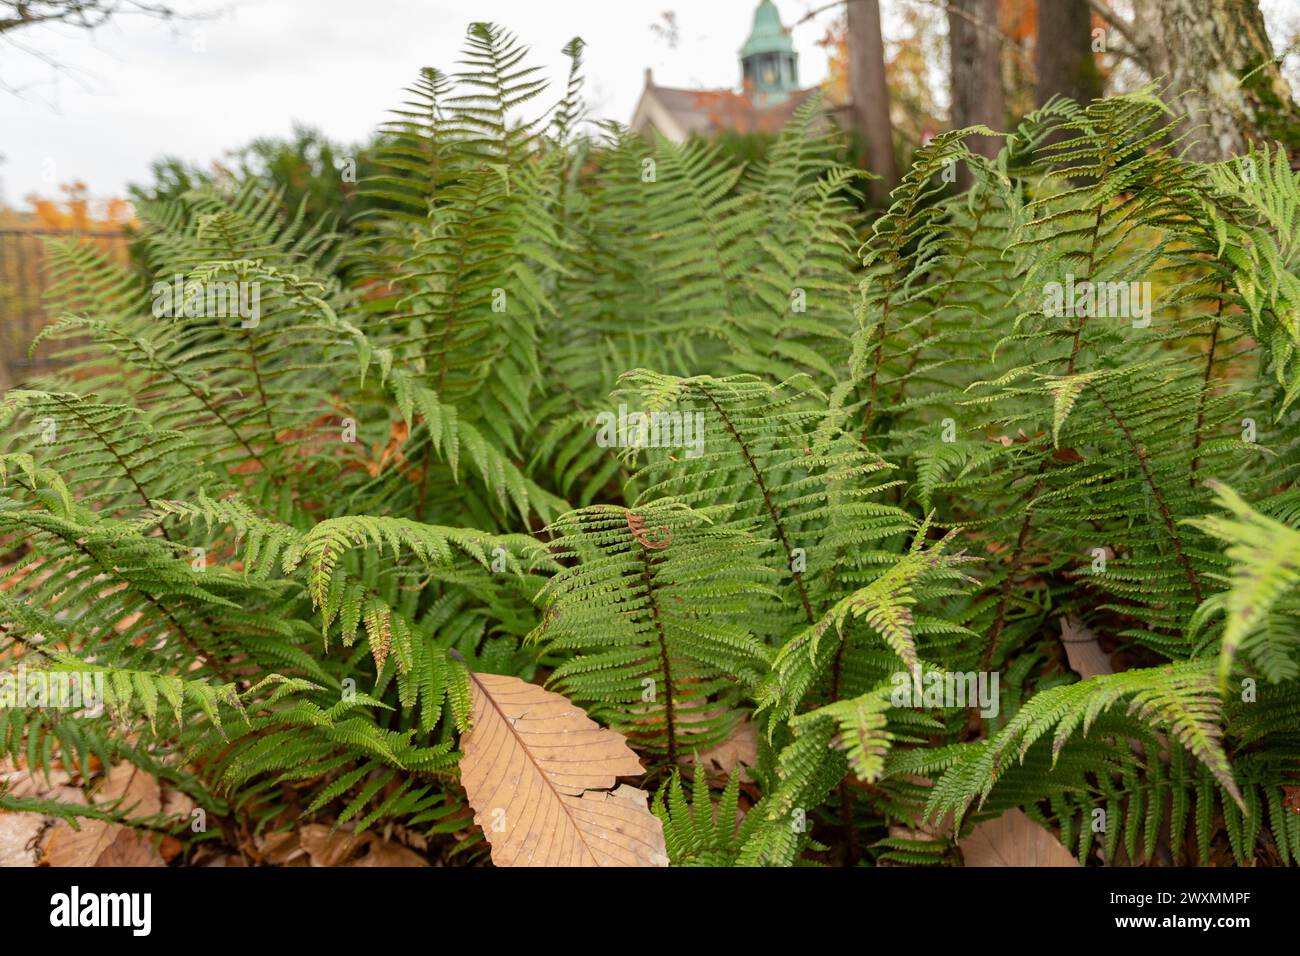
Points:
(76, 210)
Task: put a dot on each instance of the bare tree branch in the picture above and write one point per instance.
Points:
(944, 7)
(16, 15)
(1122, 26)
(86, 14)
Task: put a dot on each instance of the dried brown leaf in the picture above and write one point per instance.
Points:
(539, 773)
(101, 843)
(1014, 840)
(330, 847)
(738, 751)
(1085, 655)
(22, 835)
(177, 804)
(387, 853)
(21, 782)
(280, 847)
(19, 838)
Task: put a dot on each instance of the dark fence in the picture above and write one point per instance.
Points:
(24, 284)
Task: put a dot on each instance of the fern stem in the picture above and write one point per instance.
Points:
(248, 346)
(846, 798)
(162, 367)
(422, 494)
(257, 378)
(767, 501)
(1142, 454)
(181, 632)
(879, 358)
(846, 795)
(109, 446)
(1022, 539)
(850, 831)
(1004, 590)
(220, 417)
(1205, 388)
(1083, 319)
(456, 272)
(665, 664)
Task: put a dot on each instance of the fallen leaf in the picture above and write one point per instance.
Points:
(1014, 840)
(169, 848)
(19, 838)
(907, 833)
(1085, 655)
(176, 803)
(280, 847)
(538, 773)
(330, 847)
(23, 835)
(387, 853)
(416, 841)
(740, 749)
(56, 785)
(398, 433)
(1291, 798)
(102, 843)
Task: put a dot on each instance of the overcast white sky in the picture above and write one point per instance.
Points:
(137, 88)
(140, 88)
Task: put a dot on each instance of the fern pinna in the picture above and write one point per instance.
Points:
(706, 451)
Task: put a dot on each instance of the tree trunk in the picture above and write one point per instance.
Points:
(1064, 58)
(975, 46)
(869, 95)
(1204, 49)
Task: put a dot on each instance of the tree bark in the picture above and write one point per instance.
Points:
(975, 54)
(1203, 49)
(869, 95)
(1063, 53)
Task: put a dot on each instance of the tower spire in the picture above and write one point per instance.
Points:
(769, 65)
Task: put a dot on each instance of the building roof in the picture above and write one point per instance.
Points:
(678, 114)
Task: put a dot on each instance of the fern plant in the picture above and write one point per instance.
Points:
(693, 445)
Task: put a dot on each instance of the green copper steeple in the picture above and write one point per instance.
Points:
(769, 65)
